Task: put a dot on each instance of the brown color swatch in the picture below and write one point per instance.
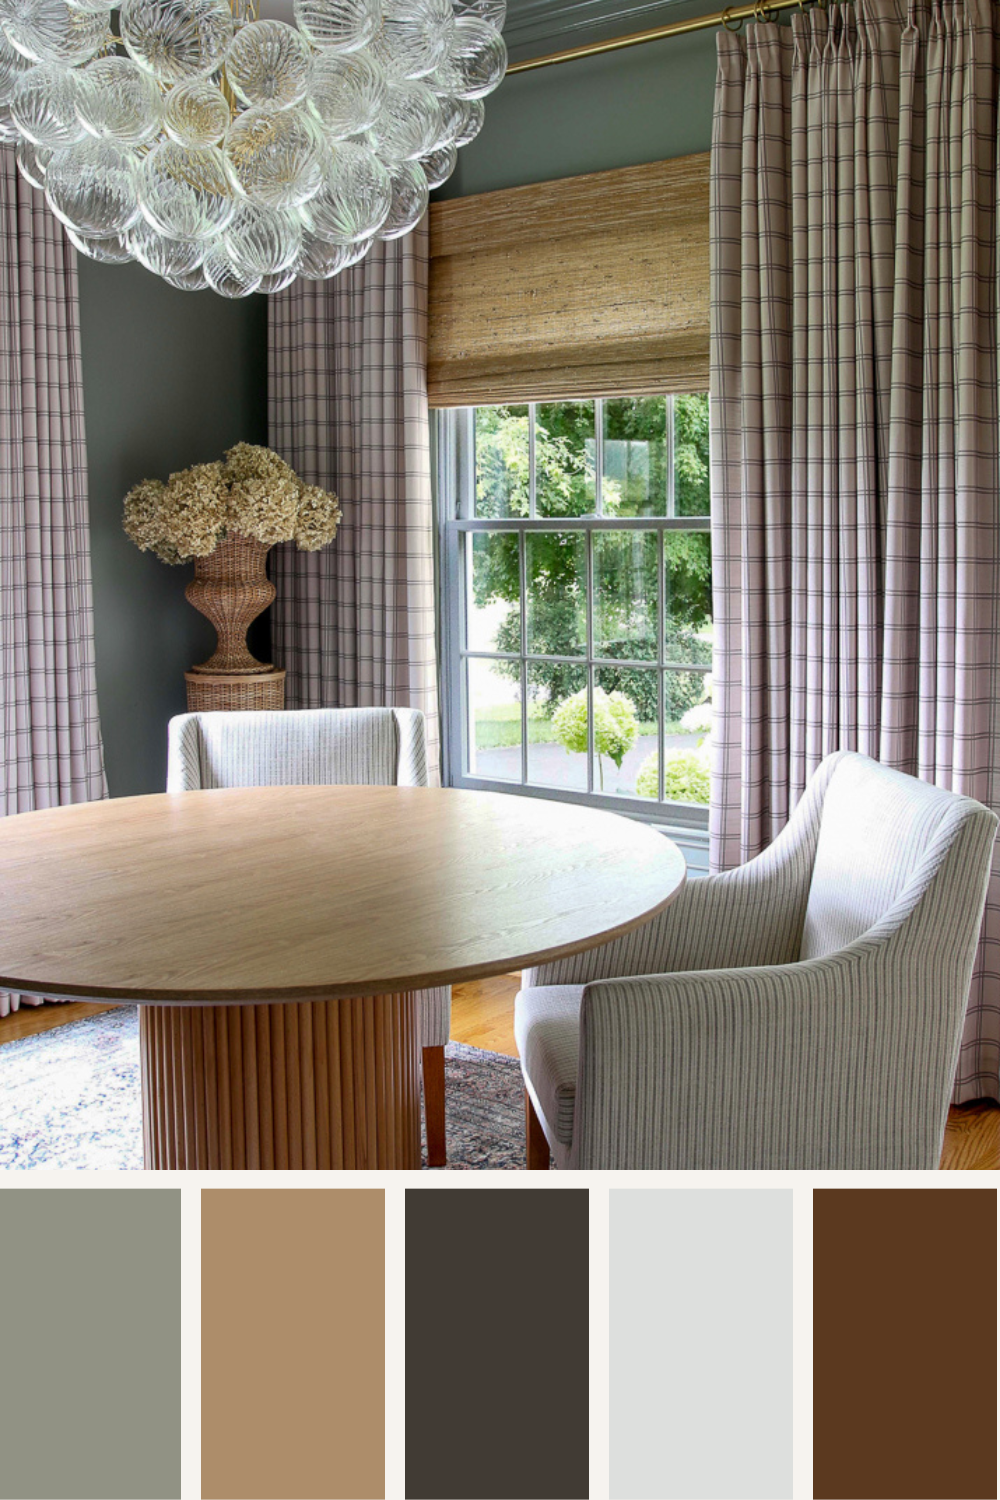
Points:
(497, 1344)
(293, 1344)
(904, 1344)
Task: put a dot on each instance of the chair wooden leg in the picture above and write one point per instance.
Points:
(437, 1150)
(538, 1146)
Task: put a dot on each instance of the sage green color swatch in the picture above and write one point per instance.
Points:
(90, 1344)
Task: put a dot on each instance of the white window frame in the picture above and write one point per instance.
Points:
(453, 459)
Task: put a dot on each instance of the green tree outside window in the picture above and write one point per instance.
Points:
(565, 455)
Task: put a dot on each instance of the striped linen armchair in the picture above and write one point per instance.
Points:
(802, 1011)
(321, 747)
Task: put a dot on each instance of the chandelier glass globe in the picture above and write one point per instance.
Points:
(43, 107)
(118, 101)
(109, 250)
(264, 241)
(226, 277)
(92, 187)
(269, 63)
(354, 199)
(164, 256)
(196, 114)
(229, 153)
(275, 156)
(32, 162)
(346, 92)
(410, 125)
(189, 281)
(410, 191)
(186, 192)
(53, 31)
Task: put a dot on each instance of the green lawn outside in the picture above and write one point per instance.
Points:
(499, 726)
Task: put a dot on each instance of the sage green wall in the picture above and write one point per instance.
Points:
(170, 378)
(621, 109)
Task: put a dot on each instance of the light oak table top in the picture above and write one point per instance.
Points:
(292, 893)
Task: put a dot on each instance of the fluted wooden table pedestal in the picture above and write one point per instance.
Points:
(295, 1085)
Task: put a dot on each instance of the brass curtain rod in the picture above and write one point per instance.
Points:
(732, 18)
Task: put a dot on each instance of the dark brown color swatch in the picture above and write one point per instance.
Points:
(497, 1344)
(293, 1344)
(904, 1344)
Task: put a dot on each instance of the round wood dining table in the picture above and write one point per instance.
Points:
(274, 939)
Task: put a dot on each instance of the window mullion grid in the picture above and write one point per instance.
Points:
(587, 523)
(522, 558)
(467, 522)
(465, 548)
(532, 486)
(598, 456)
(590, 659)
(466, 553)
(613, 663)
(671, 497)
(456, 543)
(462, 473)
(462, 466)
(661, 630)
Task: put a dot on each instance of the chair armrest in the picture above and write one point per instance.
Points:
(745, 917)
(184, 754)
(411, 742)
(845, 1061)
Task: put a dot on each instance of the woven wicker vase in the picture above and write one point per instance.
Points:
(231, 588)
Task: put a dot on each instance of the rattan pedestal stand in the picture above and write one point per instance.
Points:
(220, 691)
(231, 588)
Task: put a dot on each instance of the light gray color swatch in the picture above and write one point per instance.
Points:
(90, 1345)
(701, 1344)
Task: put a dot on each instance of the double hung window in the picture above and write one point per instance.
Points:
(578, 609)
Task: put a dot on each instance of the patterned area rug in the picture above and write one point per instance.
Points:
(69, 1099)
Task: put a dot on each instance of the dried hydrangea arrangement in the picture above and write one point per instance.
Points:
(252, 493)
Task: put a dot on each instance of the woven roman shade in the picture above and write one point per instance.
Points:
(588, 286)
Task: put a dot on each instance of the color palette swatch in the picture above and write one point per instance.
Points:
(701, 1345)
(293, 1344)
(497, 1344)
(904, 1344)
(90, 1345)
(512, 1310)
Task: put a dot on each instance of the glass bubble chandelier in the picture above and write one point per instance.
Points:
(228, 152)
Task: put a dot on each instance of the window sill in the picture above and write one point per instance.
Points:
(693, 844)
(687, 826)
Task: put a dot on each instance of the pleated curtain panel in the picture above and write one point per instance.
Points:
(51, 750)
(354, 624)
(856, 472)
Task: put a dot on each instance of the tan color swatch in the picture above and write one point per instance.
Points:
(904, 1344)
(293, 1344)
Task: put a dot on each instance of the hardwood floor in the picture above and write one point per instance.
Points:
(972, 1138)
(482, 1015)
(31, 1019)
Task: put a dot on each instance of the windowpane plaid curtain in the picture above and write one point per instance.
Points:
(51, 750)
(354, 624)
(855, 460)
